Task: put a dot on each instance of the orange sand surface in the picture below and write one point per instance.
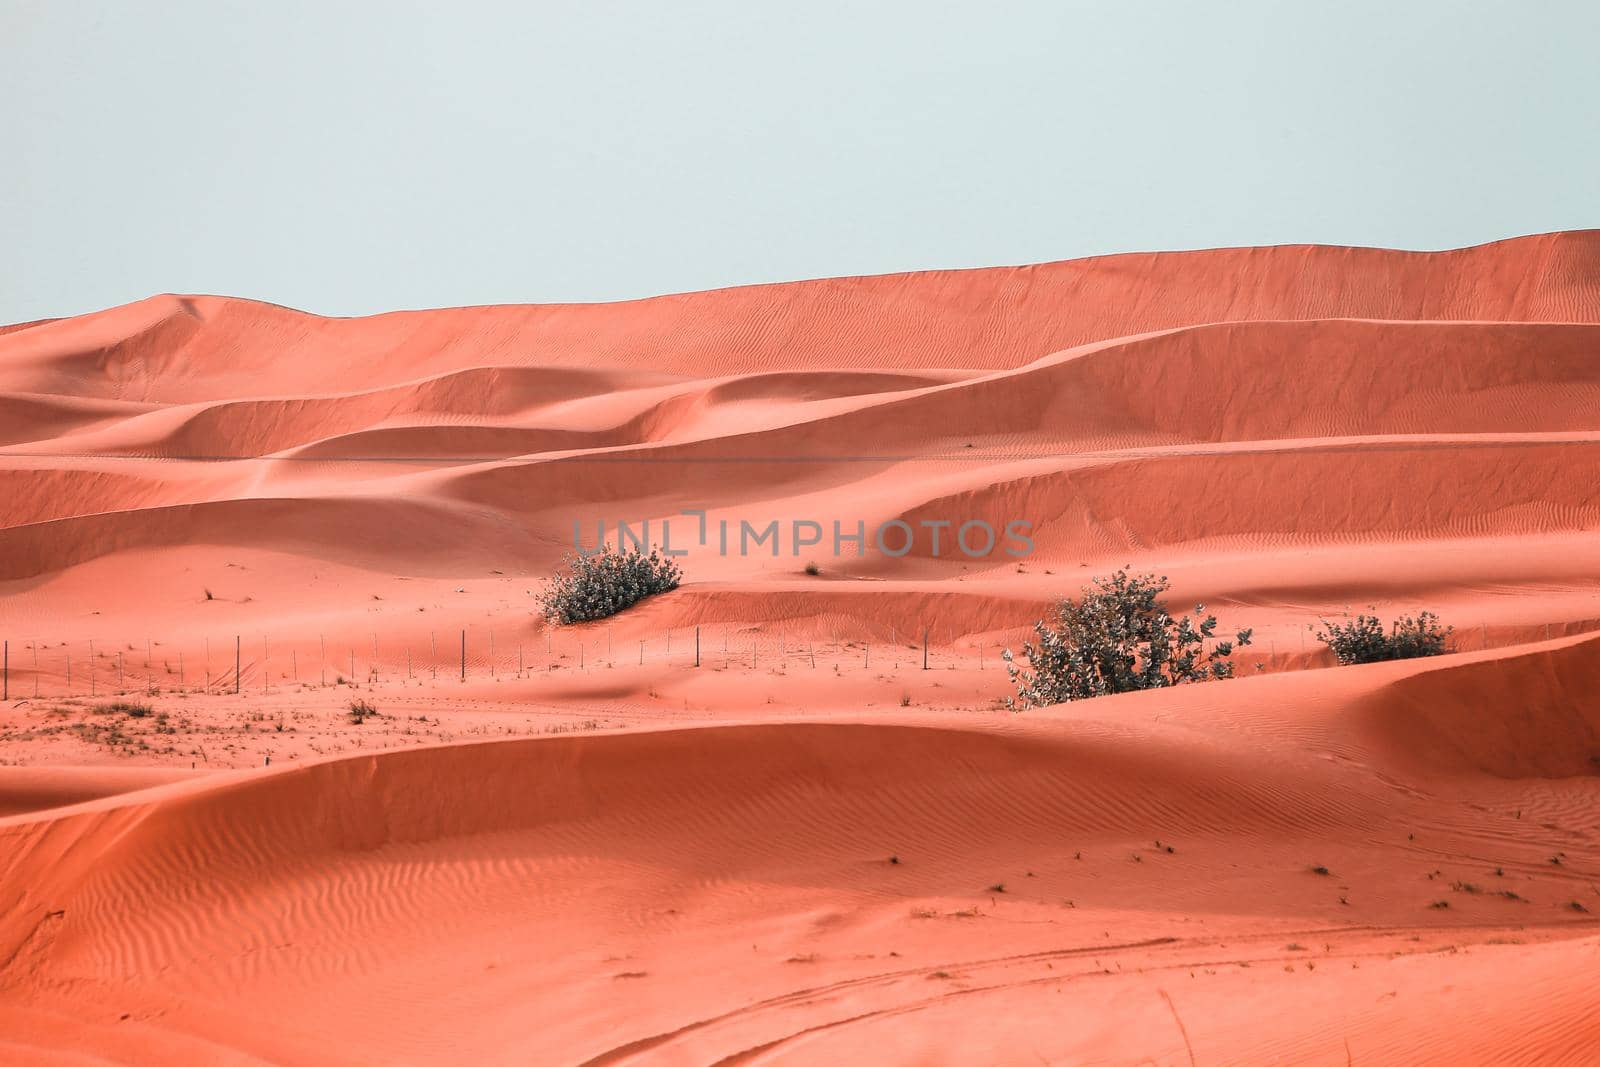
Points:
(774, 817)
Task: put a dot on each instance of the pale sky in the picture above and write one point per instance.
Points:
(348, 158)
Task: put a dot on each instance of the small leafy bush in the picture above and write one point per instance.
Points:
(1118, 636)
(1363, 640)
(611, 580)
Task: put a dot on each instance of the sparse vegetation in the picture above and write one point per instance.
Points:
(1363, 640)
(129, 708)
(600, 585)
(1118, 636)
(361, 711)
(812, 569)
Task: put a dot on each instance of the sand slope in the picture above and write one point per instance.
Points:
(808, 849)
(585, 899)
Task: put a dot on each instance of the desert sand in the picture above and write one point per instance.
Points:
(775, 817)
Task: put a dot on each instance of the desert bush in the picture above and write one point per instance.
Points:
(611, 580)
(1116, 637)
(361, 711)
(1363, 640)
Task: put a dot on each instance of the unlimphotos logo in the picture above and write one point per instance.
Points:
(972, 538)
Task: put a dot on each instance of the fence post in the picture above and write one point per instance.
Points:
(697, 646)
(6, 673)
(463, 655)
(236, 647)
(924, 648)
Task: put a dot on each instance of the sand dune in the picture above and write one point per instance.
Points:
(656, 859)
(741, 823)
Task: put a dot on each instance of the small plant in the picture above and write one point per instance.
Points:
(1363, 640)
(905, 700)
(1320, 869)
(1117, 637)
(361, 711)
(600, 585)
(812, 569)
(127, 707)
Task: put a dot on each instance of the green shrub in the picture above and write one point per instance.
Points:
(1363, 640)
(611, 580)
(1115, 638)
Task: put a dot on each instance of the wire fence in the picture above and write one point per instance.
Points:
(264, 663)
